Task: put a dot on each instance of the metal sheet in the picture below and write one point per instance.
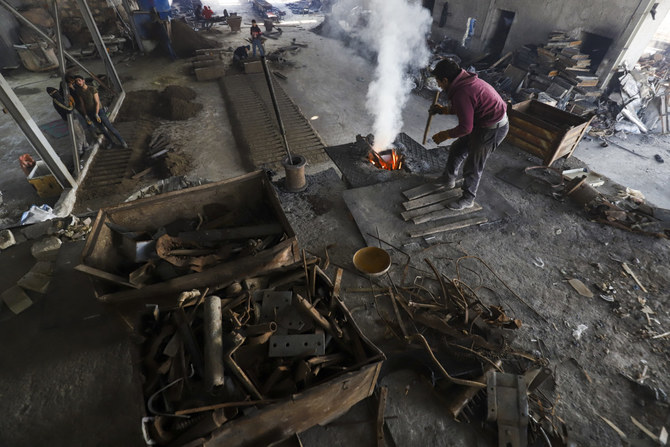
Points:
(299, 344)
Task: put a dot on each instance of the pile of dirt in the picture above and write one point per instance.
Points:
(177, 163)
(185, 41)
(173, 103)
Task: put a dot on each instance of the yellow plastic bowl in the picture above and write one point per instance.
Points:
(372, 261)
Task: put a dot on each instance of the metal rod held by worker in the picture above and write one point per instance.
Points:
(430, 117)
(276, 107)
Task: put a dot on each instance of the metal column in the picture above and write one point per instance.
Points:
(100, 45)
(30, 25)
(66, 90)
(35, 135)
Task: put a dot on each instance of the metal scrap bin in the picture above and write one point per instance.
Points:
(249, 198)
(545, 131)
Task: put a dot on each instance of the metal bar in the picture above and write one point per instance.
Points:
(133, 26)
(30, 25)
(34, 135)
(66, 90)
(100, 45)
(276, 107)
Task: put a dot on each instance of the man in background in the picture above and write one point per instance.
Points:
(256, 34)
(90, 107)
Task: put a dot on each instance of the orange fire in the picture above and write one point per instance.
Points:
(391, 161)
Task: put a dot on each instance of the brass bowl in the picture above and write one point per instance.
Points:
(372, 261)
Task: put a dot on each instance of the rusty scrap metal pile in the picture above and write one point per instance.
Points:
(455, 330)
(212, 358)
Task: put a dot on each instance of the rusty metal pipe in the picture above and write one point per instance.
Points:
(258, 334)
(234, 341)
(319, 319)
(268, 79)
(213, 343)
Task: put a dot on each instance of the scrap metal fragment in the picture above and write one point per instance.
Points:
(508, 406)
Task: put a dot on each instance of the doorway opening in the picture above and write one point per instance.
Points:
(496, 43)
(596, 47)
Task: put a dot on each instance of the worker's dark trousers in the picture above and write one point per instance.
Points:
(474, 149)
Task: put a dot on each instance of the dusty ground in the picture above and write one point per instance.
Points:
(529, 255)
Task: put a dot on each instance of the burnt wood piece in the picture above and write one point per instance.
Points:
(445, 213)
(448, 227)
(222, 275)
(431, 199)
(426, 189)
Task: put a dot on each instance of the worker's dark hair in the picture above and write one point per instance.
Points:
(253, 21)
(248, 47)
(446, 68)
(75, 77)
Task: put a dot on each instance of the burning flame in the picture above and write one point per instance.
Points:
(390, 162)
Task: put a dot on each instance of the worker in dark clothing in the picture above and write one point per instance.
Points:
(482, 125)
(64, 108)
(90, 107)
(240, 54)
(256, 34)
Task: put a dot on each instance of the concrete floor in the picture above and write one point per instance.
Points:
(328, 82)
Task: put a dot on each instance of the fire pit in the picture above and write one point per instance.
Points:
(361, 165)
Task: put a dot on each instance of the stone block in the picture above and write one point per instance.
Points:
(37, 282)
(209, 73)
(16, 299)
(6, 239)
(46, 249)
(39, 229)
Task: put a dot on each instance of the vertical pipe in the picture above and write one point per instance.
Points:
(66, 90)
(268, 79)
(213, 343)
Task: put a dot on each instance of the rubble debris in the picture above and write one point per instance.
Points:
(16, 299)
(46, 249)
(580, 287)
(6, 239)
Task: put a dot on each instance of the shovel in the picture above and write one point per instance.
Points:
(430, 118)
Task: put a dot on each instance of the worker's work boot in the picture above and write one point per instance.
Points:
(462, 203)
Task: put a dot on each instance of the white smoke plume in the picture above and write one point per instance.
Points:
(396, 31)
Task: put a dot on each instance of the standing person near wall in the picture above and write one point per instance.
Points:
(482, 125)
(89, 105)
(256, 34)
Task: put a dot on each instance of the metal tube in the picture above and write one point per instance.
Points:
(65, 90)
(30, 25)
(213, 343)
(268, 79)
(100, 45)
(34, 135)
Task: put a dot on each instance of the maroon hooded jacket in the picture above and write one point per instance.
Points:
(475, 102)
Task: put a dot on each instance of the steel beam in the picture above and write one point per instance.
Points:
(34, 135)
(66, 90)
(100, 45)
(30, 25)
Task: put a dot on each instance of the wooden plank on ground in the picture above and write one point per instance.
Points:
(432, 198)
(411, 214)
(450, 226)
(425, 189)
(445, 213)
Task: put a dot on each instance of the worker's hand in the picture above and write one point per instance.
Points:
(88, 122)
(97, 118)
(441, 136)
(437, 109)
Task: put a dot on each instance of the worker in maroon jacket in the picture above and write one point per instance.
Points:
(482, 125)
